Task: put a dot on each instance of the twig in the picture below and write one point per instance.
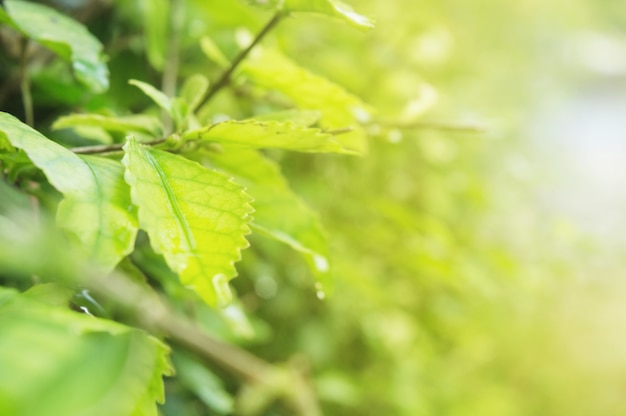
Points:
(431, 125)
(109, 148)
(27, 98)
(224, 79)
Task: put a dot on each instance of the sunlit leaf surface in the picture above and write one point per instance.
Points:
(268, 134)
(270, 69)
(195, 217)
(332, 8)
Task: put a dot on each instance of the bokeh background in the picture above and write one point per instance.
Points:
(476, 273)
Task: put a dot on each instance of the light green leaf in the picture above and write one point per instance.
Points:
(305, 118)
(193, 90)
(75, 364)
(279, 213)
(63, 35)
(195, 217)
(268, 134)
(96, 207)
(270, 69)
(213, 52)
(334, 8)
(125, 124)
(155, 17)
(155, 95)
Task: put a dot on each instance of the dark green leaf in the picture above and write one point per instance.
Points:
(63, 35)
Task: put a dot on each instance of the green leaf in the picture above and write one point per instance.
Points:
(268, 134)
(305, 118)
(96, 208)
(155, 16)
(63, 35)
(193, 90)
(195, 217)
(332, 8)
(75, 364)
(125, 124)
(213, 52)
(155, 95)
(270, 69)
(203, 383)
(279, 213)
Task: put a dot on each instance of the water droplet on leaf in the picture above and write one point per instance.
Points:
(320, 293)
(321, 263)
(222, 289)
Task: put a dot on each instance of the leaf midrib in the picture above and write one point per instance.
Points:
(173, 201)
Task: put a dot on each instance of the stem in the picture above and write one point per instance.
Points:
(170, 72)
(224, 79)
(154, 315)
(27, 98)
(108, 148)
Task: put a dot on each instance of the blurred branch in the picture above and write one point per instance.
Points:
(430, 125)
(154, 315)
(224, 79)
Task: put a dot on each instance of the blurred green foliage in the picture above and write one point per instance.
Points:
(453, 293)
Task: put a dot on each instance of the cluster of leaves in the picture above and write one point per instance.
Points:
(164, 196)
(144, 143)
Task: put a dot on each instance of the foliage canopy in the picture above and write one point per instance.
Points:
(151, 151)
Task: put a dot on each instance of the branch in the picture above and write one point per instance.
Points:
(224, 79)
(155, 315)
(431, 125)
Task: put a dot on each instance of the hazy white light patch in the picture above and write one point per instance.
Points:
(602, 53)
(426, 98)
(585, 140)
(321, 263)
(394, 136)
(243, 37)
